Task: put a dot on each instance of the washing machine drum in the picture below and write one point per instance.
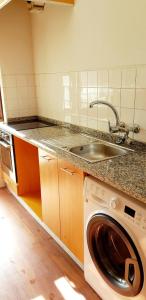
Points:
(115, 255)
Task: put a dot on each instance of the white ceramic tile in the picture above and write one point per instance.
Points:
(92, 112)
(74, 80)
(22, 92)
(141, 136)
(115, 78)
(75, 119)
(141, 77)
(44, 79)
(9, 80)
(115, 97)
(82, 79)
(103, 125)
(12, 104)
(103, 78)
(37, 80)
(66, 81)
(128, 98)
(13, 113)
(31, 92)
(83, 120)
(140, 102)
(92, 122)
(21, 80)
(128, 78)
(92, 94)
(11, 92)
(83, 98)
(67, 118)
(102, 112)
(30, 80)
(92, 79)
(140, 118)
(103, 94)
(127, 115)
(105, 113)
(111, 116)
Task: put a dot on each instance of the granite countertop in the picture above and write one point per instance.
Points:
(126, 173)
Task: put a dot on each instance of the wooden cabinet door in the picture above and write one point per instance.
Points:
(71, 207)
(49, 191)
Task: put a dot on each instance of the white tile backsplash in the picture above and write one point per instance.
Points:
(115, 78)
(9, 81)
(83, 79)
(128, 98)
(141, 77)
(114, 97)
(92, 79)
(66, 96)
(128, 78)
(19, 94)
(103, 78)
(140, 102)
(127, 115)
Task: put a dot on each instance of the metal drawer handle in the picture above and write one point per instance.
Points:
(7, 146)
(47, 158)
(69, 172)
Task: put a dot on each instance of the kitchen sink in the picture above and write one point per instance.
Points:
(94, 152)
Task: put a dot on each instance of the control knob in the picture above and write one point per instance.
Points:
(114, 203)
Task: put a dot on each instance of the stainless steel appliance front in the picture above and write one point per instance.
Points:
(7, 154)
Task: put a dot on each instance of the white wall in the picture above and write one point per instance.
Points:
(94, 50)
(94, 34)
(15, 38)
(16, 60)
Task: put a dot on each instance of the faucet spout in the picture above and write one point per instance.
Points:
(121, 127)
(109, 105)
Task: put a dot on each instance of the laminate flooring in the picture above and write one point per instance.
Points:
(32, 265)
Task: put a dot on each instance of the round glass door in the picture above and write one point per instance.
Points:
(115, 255)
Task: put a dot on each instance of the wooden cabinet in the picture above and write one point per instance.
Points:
(27, 166)
(62, 201)
(71, 207)
(49, 191)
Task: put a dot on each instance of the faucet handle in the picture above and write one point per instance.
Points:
(135, 128)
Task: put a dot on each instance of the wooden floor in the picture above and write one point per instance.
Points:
(32, 265)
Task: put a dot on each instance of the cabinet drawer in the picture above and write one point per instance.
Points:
(68, 168)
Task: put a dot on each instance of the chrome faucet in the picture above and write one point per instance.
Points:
(120, 126)
(111, 128)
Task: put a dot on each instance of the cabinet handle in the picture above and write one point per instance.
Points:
(5, 145)
(69, 172)
(47, 158)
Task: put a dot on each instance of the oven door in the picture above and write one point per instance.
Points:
(7, 159)
(115, 255)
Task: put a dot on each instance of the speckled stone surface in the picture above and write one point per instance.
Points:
(126, 173)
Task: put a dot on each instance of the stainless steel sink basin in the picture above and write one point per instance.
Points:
(98, 151)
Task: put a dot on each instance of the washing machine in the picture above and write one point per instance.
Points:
(114, 243)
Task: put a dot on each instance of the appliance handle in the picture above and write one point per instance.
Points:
(5, 145)
(136, 277)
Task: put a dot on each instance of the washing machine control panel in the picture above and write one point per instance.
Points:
(107, 197)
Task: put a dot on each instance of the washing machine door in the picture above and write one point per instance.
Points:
(115, 255)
